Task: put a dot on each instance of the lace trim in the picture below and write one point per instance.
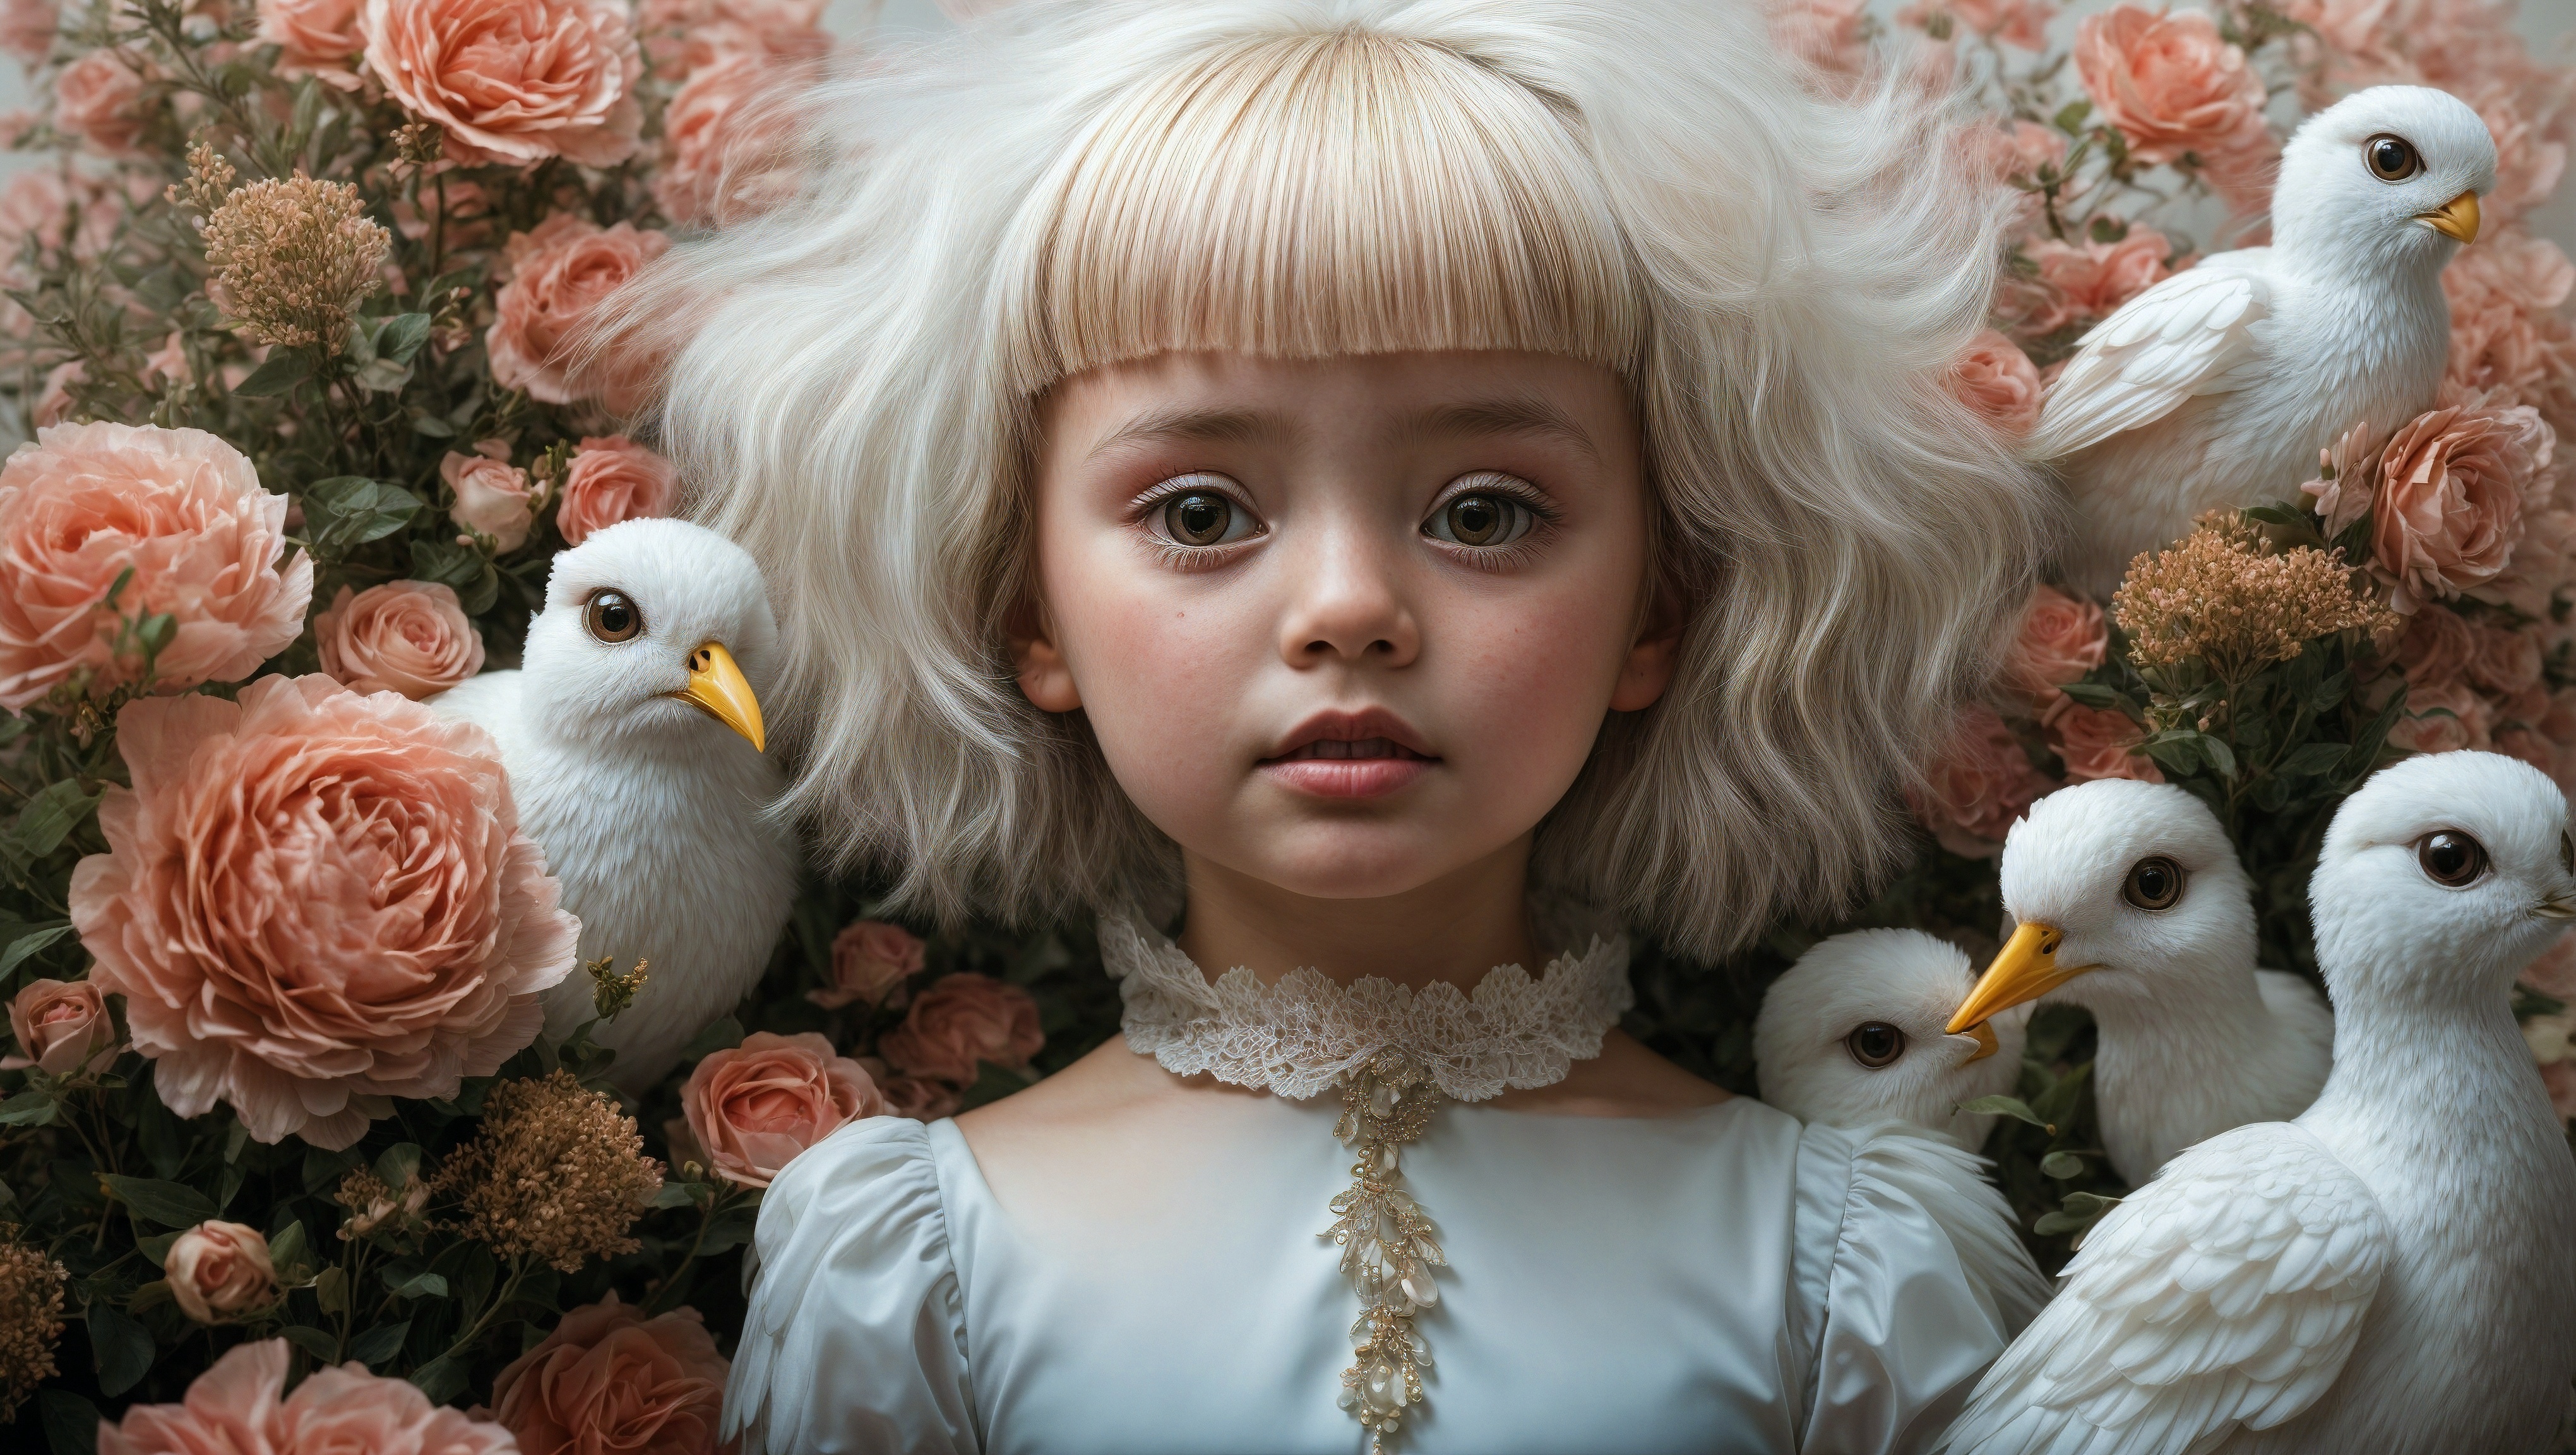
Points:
(1302, 1036)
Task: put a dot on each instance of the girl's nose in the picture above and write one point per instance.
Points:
(1348, 605)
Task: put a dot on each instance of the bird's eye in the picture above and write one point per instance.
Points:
(2391, 158)
(2452, 858)
(1875, 1043)
(1203, 518)
(611, 617)
(1481, 518)
(2153, 883)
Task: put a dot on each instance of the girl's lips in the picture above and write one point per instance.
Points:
(1358, 768)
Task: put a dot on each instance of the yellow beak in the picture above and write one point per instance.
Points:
(719, 689)
(2457, 218)
(2026, 969)
(1984, 1032)
(2556, 906)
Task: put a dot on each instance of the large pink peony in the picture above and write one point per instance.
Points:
(559, 275)
(2171, 84)
(753, 1108)
(315, 38)
(1996, 379)
(613, 479)
(409, 637)
(99, 98)
(64, 1028)
(2449, 508)
(180, 508)
(513, 81)
(313, 901)
(2061, 638)
(2508, 336)
(610, 1381)
(236, 1408)
(960, 1022)
(1977, 784)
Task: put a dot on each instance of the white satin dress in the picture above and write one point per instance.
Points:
(1716, 1280)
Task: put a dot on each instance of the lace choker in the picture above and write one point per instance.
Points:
(1394, 1053)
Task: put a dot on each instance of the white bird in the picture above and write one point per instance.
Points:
(2126, 898)
(1852, 1034)
(623, 733)
(2218, 386)
(2395, 1271)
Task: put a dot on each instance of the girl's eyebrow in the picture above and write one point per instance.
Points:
(1498, 414)
(1227, 426)
(1503, 414)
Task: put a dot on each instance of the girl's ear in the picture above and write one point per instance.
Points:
(1044, 678)
(1652, 657)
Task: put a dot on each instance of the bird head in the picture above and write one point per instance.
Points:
(2441, 878)
(2388, 174)
(2116, 891)
(654, 630)
(1852, 1034)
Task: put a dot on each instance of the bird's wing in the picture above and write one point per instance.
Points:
(2228, 1292)
(2180, 338)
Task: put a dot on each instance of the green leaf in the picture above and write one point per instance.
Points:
(171, 1204)
(383, 376)
(442, 1379)
(2107, 229)
(50, 815)
(2070, 118)
(2276, 515)
(417, 1285)
(2221, 757)
(121, 1347)
(398, 1164)
(402, 337)
(289, 1252)
(28, 944)
(346, 511)
(2097, 696)
(462, 568)
(71, 1422)
(285, 369)
(678, 1194)
(2062, 1165)
(2177, 753)
(2080, 1211)
(156, 1249)
(27, 1109)
(2314, 761)
(380, 1343)
(730, 1228)
(313, 1341)
(433, 427)
(157, 1292)
(2006, 1106)
(331, 1290)
(724, 1035)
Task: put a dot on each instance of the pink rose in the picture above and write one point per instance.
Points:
(235, 1406)
(960, 1022)
(2528, 162)
(2436, 648)
(63, 1028)
(682, 37)
(1825, 34)
(170, 361)
(2100, 743)
(217, 1270)
(2508, 336)
(54, 403)
(409, 637)
(916, 1097)
(27, 28)
(1997, 380)
(183, 510)
(512, 81)
(608, 1379)
(493, 496)
(870, 962)
(755, 1107)
(99, 98)
(613, 479)
(313, 901)
(2443, 717)
(2171, 85)
(2082, 282)
(2022, 23)
(559, 275)
(314, 38)
(728, 142)
(467, 209)
(2504, 662)
(2061, 638)
(1975, 787)
(2449, 508)
(2554, 973)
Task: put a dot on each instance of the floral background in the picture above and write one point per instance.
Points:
(296, 299)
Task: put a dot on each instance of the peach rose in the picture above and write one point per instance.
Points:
(2528, 162)
(2504, 662)
(682, 37)
(2081, 282)
(753, 1108)
(1997, 380)
(2436, 647)
(183, 510)
(916, 1097)
(467, 208)
(870, 962)
(27, 28)
(2171, 84)
(1975, 787)
(99, 98)
(559, 275)
(409, 637)
(512, 81)
(608, 1379)
(313, 901)
(2443, 717)
(2554, 973)
(2022, 23)
(493, 497)
(2061, 638)
(62, 1027)
(217, 1270)
(314, 38)
(2100, 743)
(235, 1407)
(1825, 34)
(612, 478)
(728, 142)
(2508, 336)
(2449, 508)
(960, 1022)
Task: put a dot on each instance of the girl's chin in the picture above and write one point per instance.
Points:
(1347, 777)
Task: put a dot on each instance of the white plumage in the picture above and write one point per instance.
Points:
(2218, 386)
(647, 805)
(1852, 1034)
(2395, 1271)
(2192, 1038)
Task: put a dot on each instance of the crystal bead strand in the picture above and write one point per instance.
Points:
(1388, 1247)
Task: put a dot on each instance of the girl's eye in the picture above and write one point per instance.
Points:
(1201, 518)
(1483, 518)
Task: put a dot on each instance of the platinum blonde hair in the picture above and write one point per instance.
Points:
(1779, 279)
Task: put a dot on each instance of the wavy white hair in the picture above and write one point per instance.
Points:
(1779, 279)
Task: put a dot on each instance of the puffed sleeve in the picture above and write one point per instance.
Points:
(855, 1339)
(1909, 1280)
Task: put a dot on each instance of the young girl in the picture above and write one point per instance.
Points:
(1375, 496)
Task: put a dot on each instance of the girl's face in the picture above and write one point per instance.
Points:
(1344, 626)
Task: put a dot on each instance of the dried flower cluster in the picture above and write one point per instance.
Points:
(292, 258)
(372, 1203)
(559, 1174)
(31, 1319)
(2225, 598)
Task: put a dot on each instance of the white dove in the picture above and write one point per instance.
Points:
(619, 733)
(2395, 1271)
(2126, 899)
(2218, 386)
(1852, 1034)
